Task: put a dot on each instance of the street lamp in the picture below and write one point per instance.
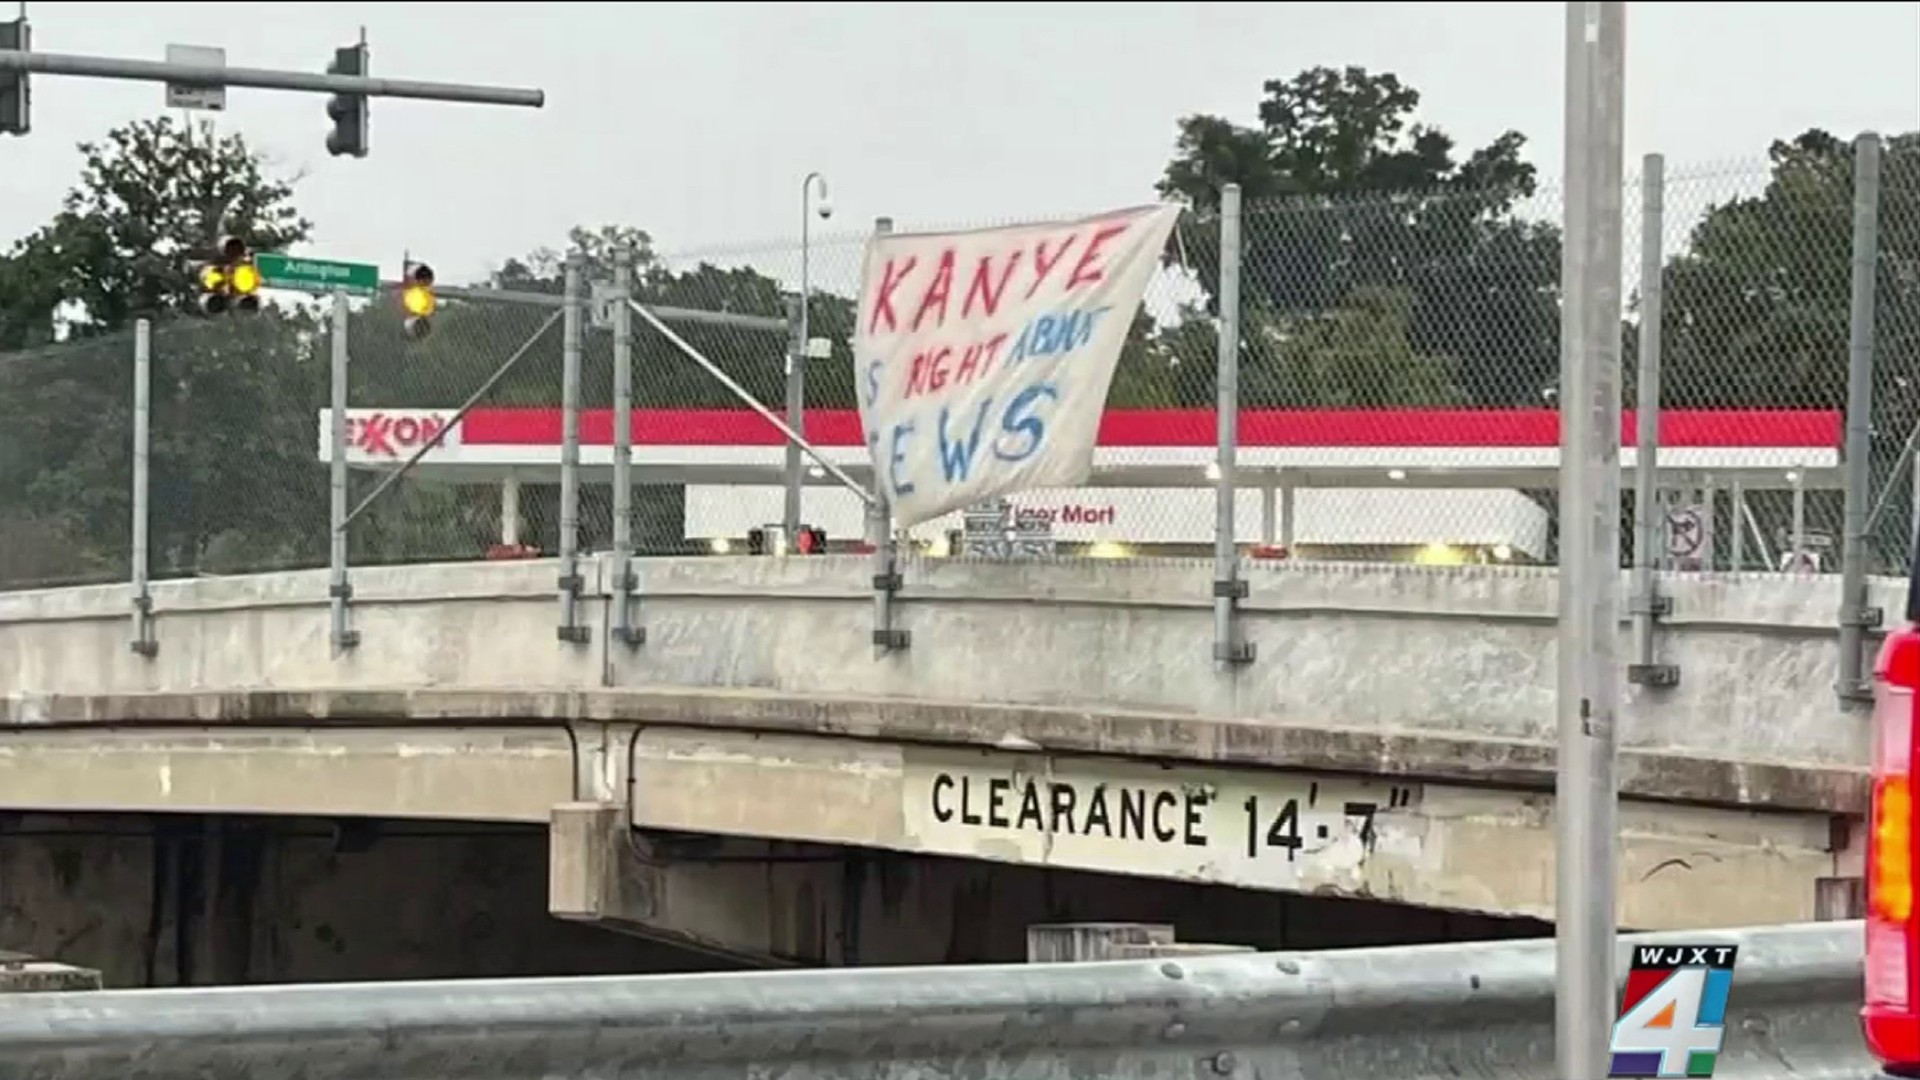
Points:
(797, 353)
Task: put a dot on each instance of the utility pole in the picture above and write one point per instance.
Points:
(1586, 792)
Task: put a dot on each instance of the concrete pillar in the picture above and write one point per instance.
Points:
(761, 910)
(1836, 899)
(510, 511)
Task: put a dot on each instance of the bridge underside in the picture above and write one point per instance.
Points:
(771, 847)
(192, 899)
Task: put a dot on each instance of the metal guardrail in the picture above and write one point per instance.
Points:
(1482, 1010)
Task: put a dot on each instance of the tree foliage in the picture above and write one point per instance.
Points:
(1758, 308)
(1757, 305)
(151, 198)
(1348, 200)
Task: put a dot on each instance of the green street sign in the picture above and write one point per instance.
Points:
(316, 275)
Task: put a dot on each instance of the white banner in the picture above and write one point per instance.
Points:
(983, 358)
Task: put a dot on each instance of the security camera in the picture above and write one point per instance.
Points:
(825, 209)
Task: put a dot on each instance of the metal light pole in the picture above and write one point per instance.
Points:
(797, 354)
(1586, 792)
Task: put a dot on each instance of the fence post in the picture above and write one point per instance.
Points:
(624, 630)
(1229, 588)
(886, 562)
(143, 643)
(339, 589)
(1856, 617)
(1647, 604)
(571, 629)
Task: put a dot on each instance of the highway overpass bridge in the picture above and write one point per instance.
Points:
(1392, 741)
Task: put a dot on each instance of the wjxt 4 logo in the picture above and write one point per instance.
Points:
(1673, 1017)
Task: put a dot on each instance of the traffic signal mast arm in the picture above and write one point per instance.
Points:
(107, 67)
(347, 79)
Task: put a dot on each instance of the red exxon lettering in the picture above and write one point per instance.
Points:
(1084, 272)
(883, 296)
(375, 434)
(938, 290)
(984, 287)
(1044, 263)
(384, 434)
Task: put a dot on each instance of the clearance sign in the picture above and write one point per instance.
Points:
(1266, 829)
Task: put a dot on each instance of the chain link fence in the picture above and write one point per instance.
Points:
(65, 504)
(403, 393)
(1398, 365)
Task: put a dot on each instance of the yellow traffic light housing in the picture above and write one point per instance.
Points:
(233, 282)
(417, 300)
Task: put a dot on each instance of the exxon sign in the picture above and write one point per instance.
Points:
(394, 434)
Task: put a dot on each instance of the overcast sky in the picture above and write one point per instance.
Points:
(697, 121)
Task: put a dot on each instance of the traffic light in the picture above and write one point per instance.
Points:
(348, 111)
(231, 282)
(15, 118)
(417, 299)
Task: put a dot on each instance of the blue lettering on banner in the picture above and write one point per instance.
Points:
(1019, 420)
(1019, 425)
(956, 458)
(900, 433)
(1056, 334)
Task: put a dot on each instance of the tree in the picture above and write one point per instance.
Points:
(232, 398)
(152, 197)
(1757, 307)
(1357, 356)
(1757, 304)
(1344, 193)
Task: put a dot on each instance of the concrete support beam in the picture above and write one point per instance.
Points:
(749, 902)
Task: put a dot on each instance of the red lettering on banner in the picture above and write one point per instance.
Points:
(929, 371)
(1084, 272)
(380, 433)
(984, 288)
(978, 360)
(883, 296)
(934, 369)
(938, 290)
(1044, 263)
(992, 274)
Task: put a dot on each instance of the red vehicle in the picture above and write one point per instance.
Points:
(1891, 1017)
